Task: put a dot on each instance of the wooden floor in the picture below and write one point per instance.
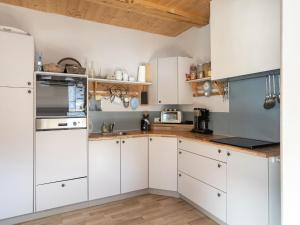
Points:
(142, 210)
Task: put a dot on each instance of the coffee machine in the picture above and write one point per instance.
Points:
(201, 119)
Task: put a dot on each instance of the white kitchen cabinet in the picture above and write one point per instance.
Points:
(163, 163)
(205, 196)
(17, 60)
(62, 193)
(61, 155)
(16, 152)
(168, 81)
(207, 170)
(245, 37)
(134, 164)
(247, 189)
(104, 168)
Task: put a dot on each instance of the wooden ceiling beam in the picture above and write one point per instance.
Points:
(154, 9)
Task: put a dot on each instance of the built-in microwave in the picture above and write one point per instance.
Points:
(60, 97)
(171, 116)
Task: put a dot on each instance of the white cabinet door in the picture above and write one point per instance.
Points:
(247, 189)
(62, 193)
(134, 164)
(17, 60)
(207, 170)
(104, 168)
(60, 155)
(185, 95)
(245, 37)
(205, 196)
(16, 152)
(167, 80)
(163, 163)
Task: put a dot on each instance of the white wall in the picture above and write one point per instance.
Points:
(290, 111)
(110, 47)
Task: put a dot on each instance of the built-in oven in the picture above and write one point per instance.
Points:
(61, 101)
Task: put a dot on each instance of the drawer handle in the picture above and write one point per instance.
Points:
(29, 83)
(123, 142)
(180, 141)
(150, 139)
(180, 152)
(63, 185)
(219, 151)
(219, 195)
(219, 165)
(228, 153)
(179, 174)
(117, 142)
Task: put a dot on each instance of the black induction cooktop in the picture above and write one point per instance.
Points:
(244, 142)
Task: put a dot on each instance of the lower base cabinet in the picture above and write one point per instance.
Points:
(59, 194)
(163, 163)
(104, 168)
(207, 197)
(134, 164)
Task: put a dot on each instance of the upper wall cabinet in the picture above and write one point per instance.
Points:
(168, 81)
(17, 59)
(245, 37)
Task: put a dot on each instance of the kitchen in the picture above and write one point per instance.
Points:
(108, 108)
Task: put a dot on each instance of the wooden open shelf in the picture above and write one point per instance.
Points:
(198, 80)
(101, 87)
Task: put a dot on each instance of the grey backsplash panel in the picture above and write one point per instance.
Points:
(247, 117)
(124, 120)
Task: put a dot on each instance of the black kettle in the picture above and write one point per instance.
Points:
(145, 122)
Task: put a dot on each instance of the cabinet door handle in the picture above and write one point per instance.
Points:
(63, 185)
(29, 91)
(228, 153)
(179, 174)
(219, 195)
(159, 101)
(123, 142)
(29, 83)
(180, 152)
(219, 165)
(219, 151)
(117, 142)
(180, 141)
(150, 139)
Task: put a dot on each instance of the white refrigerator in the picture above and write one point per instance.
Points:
(16, 121)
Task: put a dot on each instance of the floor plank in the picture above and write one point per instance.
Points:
(142, 210)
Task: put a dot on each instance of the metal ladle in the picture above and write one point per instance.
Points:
(266, 102)
(278, 96)
(272, 98)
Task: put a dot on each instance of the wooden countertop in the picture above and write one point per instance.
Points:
(266, 152)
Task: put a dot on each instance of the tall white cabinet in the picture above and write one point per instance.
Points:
(168, 81)
(245, 37)
(16, 119)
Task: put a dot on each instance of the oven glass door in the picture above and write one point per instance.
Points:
(60, 96)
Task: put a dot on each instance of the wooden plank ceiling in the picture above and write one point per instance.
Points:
(166, 17)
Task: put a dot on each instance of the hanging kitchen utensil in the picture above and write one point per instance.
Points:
(272, 101)
(207, 89)
(144, 97)
(266, 102)
(134, 103)
(278, 96)
(274, 96)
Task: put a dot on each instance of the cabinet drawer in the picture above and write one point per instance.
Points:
(207, 150)
(207, 197)
(61, 193)
(205, 169)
